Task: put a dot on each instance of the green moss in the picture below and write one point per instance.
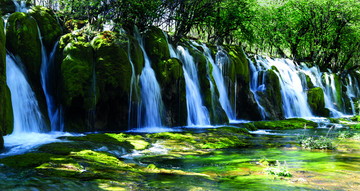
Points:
(76, 74)
(309, 82)
(22, 39)
(48, 25)
(316, 102)
(292, 123)
(27, 160)
(271, 99)
(113, 67)
(6, 112)
(240, 63)
(225, 137)
(338, 87)
(126, 141)
(73, 24)
(136, 54)
(156, 47)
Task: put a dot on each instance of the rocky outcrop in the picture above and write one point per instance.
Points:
(48, 25)
(22, 40)
(246, 106)
(6, 112)
(169, 74)
(317, 102)
(271, 98)
(75, 85)
(208, 88)
(113, 78)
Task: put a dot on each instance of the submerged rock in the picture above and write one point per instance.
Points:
(292, 123)
(316, 102)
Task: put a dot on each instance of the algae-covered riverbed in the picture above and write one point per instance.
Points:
(224, 158)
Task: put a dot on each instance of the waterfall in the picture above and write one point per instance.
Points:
(198, 115)
(27, 115)
(352, 91)
(151, 100)
(293, 93)
(328, 86)
(255, 85)
(20, 7)
(133, 89)
(218, 69)
(48, 82)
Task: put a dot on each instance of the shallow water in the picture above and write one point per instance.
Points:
(221, 169)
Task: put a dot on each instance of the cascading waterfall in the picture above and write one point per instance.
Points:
(27, 115)
(20, 7)
(328, 86)
(198, 115)
(218, 69)
(48, 82)
(255, 85)
(134, 108)
(293, 93)
(352, 92)
(151, 100)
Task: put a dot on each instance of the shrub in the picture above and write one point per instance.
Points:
(278, 170)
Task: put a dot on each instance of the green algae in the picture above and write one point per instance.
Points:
(292, 123)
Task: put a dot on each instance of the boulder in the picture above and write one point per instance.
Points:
(173, 92)
(22, 39)
(317, 102)
(156, 47)
(48, 25)
(76, 85)
(246, 106)
(113, 77)
(271, 98)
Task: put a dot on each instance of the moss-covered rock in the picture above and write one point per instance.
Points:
(246, 106)
(6, 112)
(22, 39)
(317, 102)
(173, 91)
(156, 47)
(76, 76)
(271, 99)
(7, 6)
(73, 25)
(136, 55)
(339, 91)
(48, 25)
(208, 88)
(113, 76)
(293, 123)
